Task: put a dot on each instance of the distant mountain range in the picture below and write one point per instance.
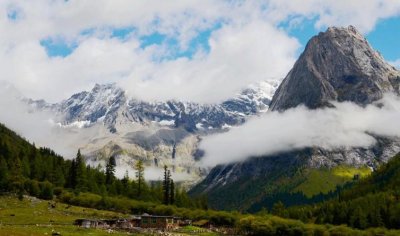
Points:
(156, 132)
(337, 65)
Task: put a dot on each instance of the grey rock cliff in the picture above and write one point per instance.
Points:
(338, 64)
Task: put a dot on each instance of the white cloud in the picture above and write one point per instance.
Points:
(239, 55)
(345, 126)
(395, 63)
(246, 48)
(36, 127)
(364, 14)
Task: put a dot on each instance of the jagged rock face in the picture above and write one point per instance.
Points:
(338, 64)
(158, 133)
(109, 104)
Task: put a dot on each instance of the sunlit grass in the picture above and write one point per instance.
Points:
(36, 217)
(324, 180)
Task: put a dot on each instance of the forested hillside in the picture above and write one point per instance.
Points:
(25, 169)
(371, 202)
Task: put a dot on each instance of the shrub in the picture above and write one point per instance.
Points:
(46, 190)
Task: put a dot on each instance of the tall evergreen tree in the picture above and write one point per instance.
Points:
(166, 185)
(72, 174)
(81, 184)
(140, 177)
(172, 192)
(4, 174)
(110, 170)
(125, 182)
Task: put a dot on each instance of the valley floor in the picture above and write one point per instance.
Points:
(31, 217)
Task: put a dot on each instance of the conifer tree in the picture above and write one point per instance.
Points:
(140, 177)
(278, 209)
(80, 172)
(172, 192)
(166, 185)
(4, 174)
(110, 170)
(72, 174)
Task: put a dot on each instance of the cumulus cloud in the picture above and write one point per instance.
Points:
(345, 126)
(395, 63)
(239, 55)
(246, 47)
(364, 14)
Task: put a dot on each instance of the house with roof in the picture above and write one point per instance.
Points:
(159, 222)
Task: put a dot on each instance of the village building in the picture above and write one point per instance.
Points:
(159, 222)
(141, 221)
(91, 223)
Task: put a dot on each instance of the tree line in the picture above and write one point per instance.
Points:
(25, 169)
(371, 202)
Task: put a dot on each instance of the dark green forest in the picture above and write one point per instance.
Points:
(40, 172)
(370, 202)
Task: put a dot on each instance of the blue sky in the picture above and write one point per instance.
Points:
(57, 47)
(385, 38)
(208, 49)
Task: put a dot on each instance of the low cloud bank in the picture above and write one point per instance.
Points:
(345, 126)
(37, 127)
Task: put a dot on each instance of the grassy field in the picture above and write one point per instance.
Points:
(36, 217)
(325, 180)
(32, 217)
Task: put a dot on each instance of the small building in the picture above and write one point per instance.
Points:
(202, 224)
(159, 222)
(91, 223)
(143, 221)
(184, 222)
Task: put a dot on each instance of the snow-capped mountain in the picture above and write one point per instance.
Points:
(158, 133)
(108, 104)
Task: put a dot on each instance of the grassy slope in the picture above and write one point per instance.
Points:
(324, 180)
(34, 217)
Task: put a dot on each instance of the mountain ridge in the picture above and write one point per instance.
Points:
(337, 65)
(158, 133)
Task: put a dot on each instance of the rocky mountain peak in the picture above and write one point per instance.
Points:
(338, 64)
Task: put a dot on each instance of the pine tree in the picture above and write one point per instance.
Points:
(358, 219)
(34, 164)
(125, 183)
(110, 170)
(4, 174)
(278, 209)
(72, 175)
(16, 177)
(81, 184)
(140, 177)
(166, 185)
(172, 192)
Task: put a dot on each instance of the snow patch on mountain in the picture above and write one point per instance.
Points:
(158, 133)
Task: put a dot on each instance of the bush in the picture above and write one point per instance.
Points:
(32, 187)
(46, 190)
(58, 191)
